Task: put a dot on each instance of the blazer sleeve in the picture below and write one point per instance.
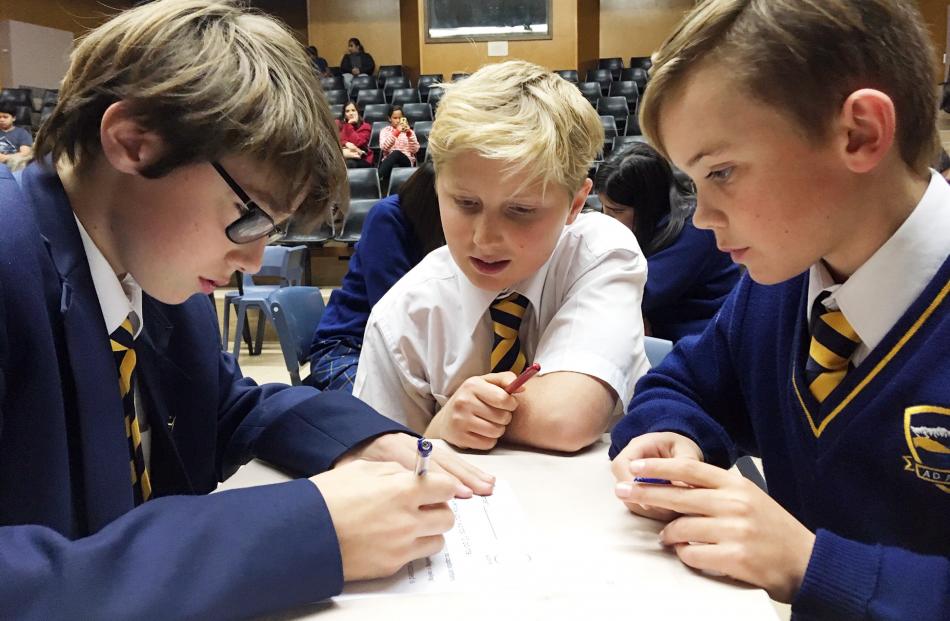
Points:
(361, 135)
(850, 580)
(345, 65)
(695, 392)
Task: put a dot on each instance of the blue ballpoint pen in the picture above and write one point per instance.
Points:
(651, 481)
(422, 459)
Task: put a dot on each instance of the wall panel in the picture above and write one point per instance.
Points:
(374, 22)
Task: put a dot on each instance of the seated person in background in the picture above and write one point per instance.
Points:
(319, 62)
(354, 137)
(525, 277)
(830, 358)
(398, 145)
(13, 140)
(119, 413)
(399, 230)
(355, 62)
(688, 277)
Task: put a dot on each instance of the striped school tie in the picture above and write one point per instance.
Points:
(122, 349)
(833, 341)
(506, 315)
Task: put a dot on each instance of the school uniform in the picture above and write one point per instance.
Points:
(433, 329)
(73, 543)
(388, 248)
(689, 280)
(867, 468)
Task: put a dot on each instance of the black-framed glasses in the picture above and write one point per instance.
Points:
(254, 223)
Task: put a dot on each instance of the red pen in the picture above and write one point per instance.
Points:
(524, 377)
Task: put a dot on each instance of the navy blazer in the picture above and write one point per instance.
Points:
(71, 543)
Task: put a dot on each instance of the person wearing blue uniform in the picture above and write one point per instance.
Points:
(399, 230)
(810, 144)
(688, 278)
(119, 412)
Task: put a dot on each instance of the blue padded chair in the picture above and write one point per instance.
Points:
(656, 350)
(296, 312)
(284, 263)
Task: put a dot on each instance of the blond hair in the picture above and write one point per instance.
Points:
(211, 78)
(804, 58)
(521, 114)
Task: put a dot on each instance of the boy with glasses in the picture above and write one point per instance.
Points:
(118, 410)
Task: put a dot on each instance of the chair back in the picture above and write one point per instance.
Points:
(602, 76)
(367, 96)
(404, 96)
(337, 96)
(394, 82)
(296, 312)
(641, 62)
(590, 90)
(374, 113)
(336, 110)
(610, 128)
(285, 263)
(621, 142)
(459, 75)
(656, 349)
(364, 183)
(355, 217)
(398, 177)
(627, 89)
(426, 80)
(416, 111)
(389, 71)
(434, 96)
(332, 84)
(360, 82)
(374, 136)
(570, 75)
(614, 65)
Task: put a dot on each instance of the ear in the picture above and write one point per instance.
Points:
(126, 144)
(577, 203)
(870, 122)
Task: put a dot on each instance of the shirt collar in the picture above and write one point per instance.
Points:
(118, 299)
(883, 288)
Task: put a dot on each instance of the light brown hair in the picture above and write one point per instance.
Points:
(212, 78)
(804, 58)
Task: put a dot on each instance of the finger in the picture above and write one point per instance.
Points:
(431, 488)
(685, 500)
(427, 546)
(691, 529)
(712, 558)
(482, 422)
(477, 442)
(495, 396)
(500, 379)
(654, 513)
(468, 475)
(435, 519)
(690, 471)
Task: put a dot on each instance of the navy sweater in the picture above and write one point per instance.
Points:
(687, 283)
(868, 470)
(386, 251)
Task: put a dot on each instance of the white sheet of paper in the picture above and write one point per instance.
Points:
(488, 546)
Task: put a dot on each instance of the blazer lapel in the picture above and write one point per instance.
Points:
(105, 475)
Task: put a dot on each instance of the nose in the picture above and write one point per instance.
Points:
(248, 258)
(486, 233)
(707, 216)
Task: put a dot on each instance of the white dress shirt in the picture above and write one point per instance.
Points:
(883, 288)
(432, 330)
(119, 300)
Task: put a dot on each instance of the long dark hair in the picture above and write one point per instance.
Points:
(640, 178)
(419, 204)
(357, 43)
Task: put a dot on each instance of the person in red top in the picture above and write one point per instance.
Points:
(398, 145)
(354, 138)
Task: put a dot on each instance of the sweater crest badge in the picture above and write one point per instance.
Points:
(927, 432)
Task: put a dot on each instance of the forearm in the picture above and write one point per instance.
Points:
(562, 411)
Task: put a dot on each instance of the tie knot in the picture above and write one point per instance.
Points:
(123, 335)
(512, 305)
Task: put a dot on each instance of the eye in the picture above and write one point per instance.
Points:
(466, 204)
(722, 174)
(520, 210)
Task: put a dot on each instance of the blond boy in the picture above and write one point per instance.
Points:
(187, 132)
(808, 126)
(525, 277)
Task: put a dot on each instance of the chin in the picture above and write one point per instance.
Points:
(770, 276)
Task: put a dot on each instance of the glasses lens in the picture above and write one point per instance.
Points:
(252, 226)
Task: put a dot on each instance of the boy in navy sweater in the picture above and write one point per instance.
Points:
(809, 137)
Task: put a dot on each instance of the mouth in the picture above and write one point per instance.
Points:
(208, 285)
(735, 254)
(489, 267)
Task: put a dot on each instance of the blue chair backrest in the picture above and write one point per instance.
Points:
(296, 312)
(283, 262)
(656, 349)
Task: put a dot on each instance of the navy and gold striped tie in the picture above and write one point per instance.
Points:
(506, 315)
(833, 342)
(124, 352)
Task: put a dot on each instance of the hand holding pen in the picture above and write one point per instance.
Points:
(477, 415)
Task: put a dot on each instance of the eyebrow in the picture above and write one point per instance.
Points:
(713, 150)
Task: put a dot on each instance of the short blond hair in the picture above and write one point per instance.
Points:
(521, 114)
(804, 58)
(212, 78)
